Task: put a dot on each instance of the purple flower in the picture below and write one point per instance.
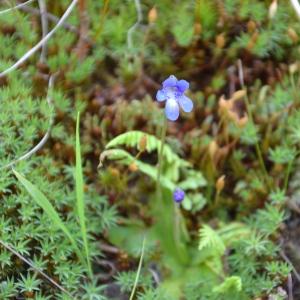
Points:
(178, 195)
(173, 93)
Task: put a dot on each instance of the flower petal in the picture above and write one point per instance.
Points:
(160, 96)
(185, 103)
(182, 85)
(172, 109)
(170, 81)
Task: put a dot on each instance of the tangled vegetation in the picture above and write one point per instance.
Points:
(102, 196)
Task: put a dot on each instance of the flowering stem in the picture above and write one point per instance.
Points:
(179, 231)
(217, 198)
(175, 218)
(177, 225)
(160, 154)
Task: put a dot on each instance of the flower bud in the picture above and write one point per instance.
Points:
(293, 68)
(293, 35)
(143, 143)
(241, 122)
(152, 15)
(224, 105)
(220, 40)
(251, 26)
(273, 9)
(220, 184)
(133, 167)
(197, 28)
(238, 95)
(212, 149)
(178, 195)
(115, 172)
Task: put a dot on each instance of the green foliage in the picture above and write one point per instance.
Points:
(249, 135)
(81, 70)
(45, 204)
(230, 284)
(124, 157)
(206, 14)
(8, 289)
(135, 138)
(138, 272)
(80, 198)
(210, 238)
(173, 165)
(126, 280)
(29, 284)
(282, 154)
(182, 29)
(151, 294)
(277, 197)
(92, 291)
(26, 226)
(200, 42)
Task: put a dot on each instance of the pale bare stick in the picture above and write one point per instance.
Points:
(28, 262)
(46, 136)
(44, 22)
(42, 41)
(290, 287)
(50, 17)
(18, 6)
(297, 275)
(296, 6)
(136, 24)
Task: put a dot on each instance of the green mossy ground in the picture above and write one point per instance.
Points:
(236, 154)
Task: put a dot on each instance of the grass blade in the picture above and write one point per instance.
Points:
(80, 197)
(45, 204)
(138, 270)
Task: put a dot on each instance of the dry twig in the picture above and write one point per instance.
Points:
(18, 6)
(135, 25)
(29, 263)
(44, 22)
(41, 42)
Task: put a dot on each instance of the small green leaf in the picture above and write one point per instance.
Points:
(194, 202)
(194, 180)
(183, 32)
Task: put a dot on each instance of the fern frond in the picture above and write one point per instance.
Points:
(133, 139)
(127, 159)
(210, 238)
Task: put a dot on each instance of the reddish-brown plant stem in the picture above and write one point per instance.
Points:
(82, 47)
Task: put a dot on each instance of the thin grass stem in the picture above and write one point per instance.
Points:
(138, 270)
